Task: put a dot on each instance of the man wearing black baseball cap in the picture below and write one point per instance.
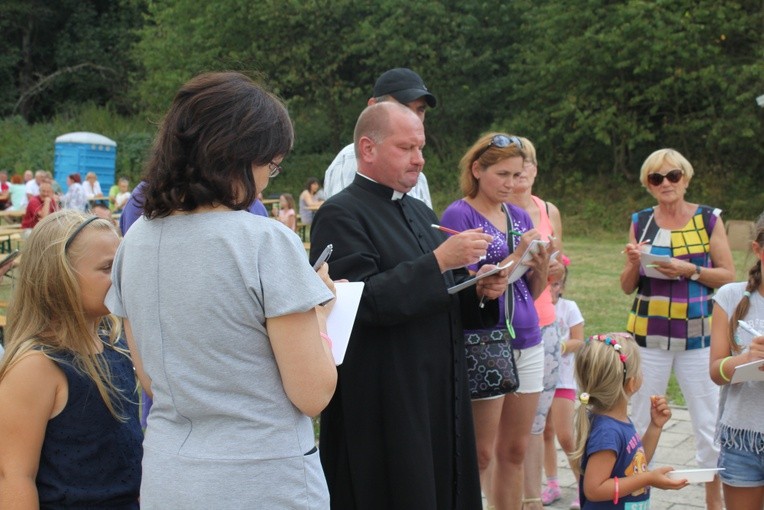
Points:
(406, 87)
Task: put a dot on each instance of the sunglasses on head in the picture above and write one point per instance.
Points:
(500, 141)
(673, 177)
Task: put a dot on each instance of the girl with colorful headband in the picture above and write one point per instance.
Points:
(610, 456)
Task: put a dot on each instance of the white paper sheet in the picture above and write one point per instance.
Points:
(522, 268)
(646, 259)
(340, 322)
(748, 372)
(472, 281)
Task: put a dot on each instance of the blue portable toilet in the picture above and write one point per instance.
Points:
(85, 152)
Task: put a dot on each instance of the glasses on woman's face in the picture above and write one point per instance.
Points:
(273, 170)
(673, 176)
(500, 141)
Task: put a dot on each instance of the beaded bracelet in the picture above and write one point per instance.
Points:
(721, 369)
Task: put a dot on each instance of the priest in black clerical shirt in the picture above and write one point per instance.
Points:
(398, 433)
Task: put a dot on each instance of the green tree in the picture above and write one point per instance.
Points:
(601, 84)
(182, 38)
(64, 52)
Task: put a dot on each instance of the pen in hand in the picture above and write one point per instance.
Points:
(445, 229)
(455, 232)
(748, 328)
(639, 245)
(323, 257)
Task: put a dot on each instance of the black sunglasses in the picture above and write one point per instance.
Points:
(673, 177)
(500, 141)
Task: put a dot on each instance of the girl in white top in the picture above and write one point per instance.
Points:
(570, 329)
(737, 337)
(123, 195)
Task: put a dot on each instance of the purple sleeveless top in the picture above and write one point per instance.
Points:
(461, 216)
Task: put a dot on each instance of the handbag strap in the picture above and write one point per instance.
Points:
(509, 294)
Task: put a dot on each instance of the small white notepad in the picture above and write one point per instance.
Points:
(472, 281)
(340, 322)
(748, 372)
(647, 259)
(522, 267)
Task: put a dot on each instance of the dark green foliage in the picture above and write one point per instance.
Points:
(61, 52)
(596, 84)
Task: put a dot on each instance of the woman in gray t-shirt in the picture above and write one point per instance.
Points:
(223, 308)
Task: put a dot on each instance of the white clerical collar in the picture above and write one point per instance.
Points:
(397, 195)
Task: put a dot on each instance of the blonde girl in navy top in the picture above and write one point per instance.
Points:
(610, 457)
(69, 433)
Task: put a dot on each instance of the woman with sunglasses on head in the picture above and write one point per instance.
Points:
(489, 171)
(671, 314)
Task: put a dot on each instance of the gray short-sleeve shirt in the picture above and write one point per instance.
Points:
(197, 290)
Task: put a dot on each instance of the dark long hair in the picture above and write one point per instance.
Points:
(218, 126)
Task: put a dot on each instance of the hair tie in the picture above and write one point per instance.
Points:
(584, 398)
(612, 341)
(747, 294)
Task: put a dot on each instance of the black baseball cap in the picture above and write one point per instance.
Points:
(404, 85)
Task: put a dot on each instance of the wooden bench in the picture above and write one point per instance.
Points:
(6, 242)
(303, 230)
(11, 216)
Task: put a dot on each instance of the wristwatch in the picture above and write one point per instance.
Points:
(696, 274)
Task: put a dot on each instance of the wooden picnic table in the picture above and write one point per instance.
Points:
(11, 216)
(8, 237)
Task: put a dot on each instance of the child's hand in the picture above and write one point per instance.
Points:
(661, 481)
(756, 349)
(660, 412)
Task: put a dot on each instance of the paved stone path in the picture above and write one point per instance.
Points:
(676, 448)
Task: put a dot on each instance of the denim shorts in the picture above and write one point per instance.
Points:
(741, 468)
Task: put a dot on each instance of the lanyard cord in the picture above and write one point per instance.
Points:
(509, 295)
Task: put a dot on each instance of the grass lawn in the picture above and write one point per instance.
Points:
(593, 283)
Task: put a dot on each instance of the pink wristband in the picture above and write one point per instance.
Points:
(615, 496)
(327, 339)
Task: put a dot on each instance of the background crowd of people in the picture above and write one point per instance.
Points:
(41, 195)
(224, 320)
